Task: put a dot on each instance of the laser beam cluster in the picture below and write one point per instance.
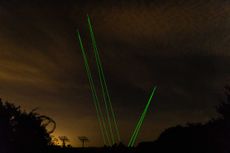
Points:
(104, 110)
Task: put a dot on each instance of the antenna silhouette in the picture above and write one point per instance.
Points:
(83, 139)
(64, 139)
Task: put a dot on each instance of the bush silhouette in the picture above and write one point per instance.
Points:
(21, 131)
(212, 137)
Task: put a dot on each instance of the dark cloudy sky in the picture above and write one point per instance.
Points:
(182, 46)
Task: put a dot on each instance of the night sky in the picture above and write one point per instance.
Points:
(182, 46)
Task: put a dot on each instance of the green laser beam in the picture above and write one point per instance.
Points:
(102, 79)
(142, 118)
(102, 86)
(94, 95)
(137, 131)
(91, 86)
(140, 122)
(108, 100)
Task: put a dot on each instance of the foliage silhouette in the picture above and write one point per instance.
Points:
(212, 137)
(22, 131)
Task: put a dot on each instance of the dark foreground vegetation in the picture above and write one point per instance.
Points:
(30, 132)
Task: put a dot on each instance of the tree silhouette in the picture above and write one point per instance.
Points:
(21, 131)
(224, 108)
(220, 126)
(83, 139)
(212, 136)
(64, 139)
